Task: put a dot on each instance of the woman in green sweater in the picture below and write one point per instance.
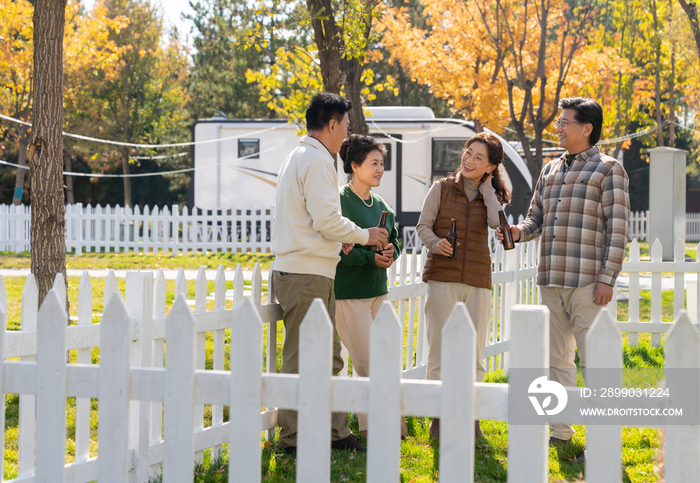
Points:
(360, 277)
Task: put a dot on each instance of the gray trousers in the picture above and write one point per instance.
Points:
(295, 293)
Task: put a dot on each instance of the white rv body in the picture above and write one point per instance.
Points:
(240, 169)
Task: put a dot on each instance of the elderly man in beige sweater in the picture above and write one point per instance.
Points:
(308, 234)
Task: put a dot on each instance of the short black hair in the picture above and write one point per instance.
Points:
(324, 107)
(588, 111)
(356, 148)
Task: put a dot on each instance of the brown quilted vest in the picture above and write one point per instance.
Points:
(472, 262)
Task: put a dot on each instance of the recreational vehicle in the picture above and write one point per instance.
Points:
(236, 161)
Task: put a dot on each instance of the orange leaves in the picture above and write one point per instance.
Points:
(449, 56)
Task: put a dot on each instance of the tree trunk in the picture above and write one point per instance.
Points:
(48, 242)
(127, 180)
(691, 10)
(68, 158)
(402, 86)
(327, 39)
(22, 161)
(352, 71)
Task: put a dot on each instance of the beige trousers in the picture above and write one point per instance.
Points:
(441, 298)
(571, 313)
(295, 293)
(354, 317)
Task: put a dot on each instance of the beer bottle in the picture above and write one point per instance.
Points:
(382, 224)
(505, 229)
(452, 237)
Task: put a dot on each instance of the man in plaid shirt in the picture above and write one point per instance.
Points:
(580, 209)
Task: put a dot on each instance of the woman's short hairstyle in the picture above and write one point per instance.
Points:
(356, 148)
(587, 111)
(323, 107)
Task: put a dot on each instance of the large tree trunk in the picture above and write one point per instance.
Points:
(327, 38)
(22, 161)
(352, 71)
(691, 10)
(48, 245)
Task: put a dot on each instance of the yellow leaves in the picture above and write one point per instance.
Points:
(16, 53)
(288, 85)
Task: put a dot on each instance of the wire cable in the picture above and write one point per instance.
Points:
(147, 146)
(145, 175)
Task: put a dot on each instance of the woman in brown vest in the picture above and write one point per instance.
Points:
(473, 196)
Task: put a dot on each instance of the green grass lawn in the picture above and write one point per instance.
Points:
(142, 261)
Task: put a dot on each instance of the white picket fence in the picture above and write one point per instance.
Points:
(147, 446)
(164, 230)
(639, 225)
(159, 230)
(130, 396)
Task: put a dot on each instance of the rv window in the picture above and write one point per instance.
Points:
(387, 158)
(447, 155)
(249, 148)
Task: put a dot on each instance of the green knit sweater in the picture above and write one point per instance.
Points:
(356, 276)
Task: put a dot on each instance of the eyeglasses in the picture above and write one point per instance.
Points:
(564, 124)
(477, 161)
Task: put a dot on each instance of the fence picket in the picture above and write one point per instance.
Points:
(314, 410)
(656, 287)
(51, 388)
(528, 450)
(633, 337)
(682, 442)
(84, 356)
(27, 402)
(180, 284)
(200, 305)
(246, 390)
(256, 284)
(217, 411)
(139, 303)
(159, 297)
(59, 284)
(114, 392)
(271, 366)
(604, 442)
(178, 425)
(384, 424)
(458, 397)
(422, 348)
(410, 342)
(678, 279)
(238, 286)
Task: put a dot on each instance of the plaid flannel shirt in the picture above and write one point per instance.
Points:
(581, 212)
